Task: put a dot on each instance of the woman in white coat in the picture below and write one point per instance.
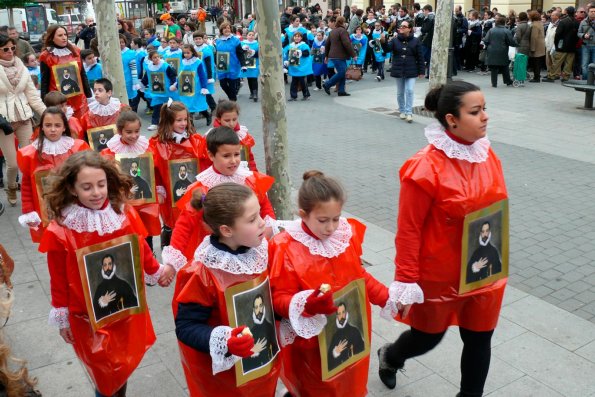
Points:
(18, 96)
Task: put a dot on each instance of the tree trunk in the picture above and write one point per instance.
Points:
(441, 42)
(109, 47)
(274, 123)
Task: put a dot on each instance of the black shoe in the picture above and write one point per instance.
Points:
(343, 94)
(255, 98)
(547, 80)
(209, 119)
(386, 372)
(251, 96)
(1, 183)
(326, 89)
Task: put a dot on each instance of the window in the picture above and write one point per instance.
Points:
(479, 5)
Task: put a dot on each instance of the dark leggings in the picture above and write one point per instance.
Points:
(156, 114)
(475, 359)
(535, 65)
(318, 82)
(119, 393)
(230, 87)
(253, 85)
(211, 102)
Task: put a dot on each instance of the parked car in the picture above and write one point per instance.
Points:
(70, 22)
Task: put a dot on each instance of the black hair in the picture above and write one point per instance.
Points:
(108, 256)
(5, 40)
(105, 83)
(428, 7)
(446, 99)
(221, 136)
(86, 53)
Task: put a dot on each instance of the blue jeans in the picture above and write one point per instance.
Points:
(427, 54)
(339, 76)
(405, 94)
(588, 56)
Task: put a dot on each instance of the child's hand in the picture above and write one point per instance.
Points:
(173, 88)
(239, 344)
(167, 276)
(66, 334)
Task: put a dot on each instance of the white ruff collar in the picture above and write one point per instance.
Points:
(242, 132)
(105, 110)
(114, 272)
(61, 146)
(61, 52)
(81, 219)
(116, 145)
(189, 61)
(486, 242)
(333, 246)
(225, 37)
(475, 153)
(256, 320)
(254, 261)
(69, 112)
(152, 67)
(210, 178)
(344, 324)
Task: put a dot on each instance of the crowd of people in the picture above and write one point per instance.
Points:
(94, 192)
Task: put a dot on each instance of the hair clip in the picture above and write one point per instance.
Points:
(169, 102)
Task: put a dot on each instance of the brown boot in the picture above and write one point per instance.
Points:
(11, 195)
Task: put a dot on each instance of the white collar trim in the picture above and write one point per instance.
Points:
(153, 68)
(486, 242)
(82, 219)
(253, 261)
(338, 323)
(61, 52)
(116, 145)
(475, 153)
(332, 247)
(61, 146)
(242, 132)
(210, 178)
(105, 110)
(189, 61)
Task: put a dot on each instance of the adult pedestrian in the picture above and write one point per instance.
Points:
(433, 202)
(89, 32)
(472, 44)
(355, 21)
(171, 29)
(23, 46)
(427, 36)
(338, 49)
(18, 96)
(549, 42)
(565, 41)
(522, 35)
(536, 46)
(586, 32)
(408, 64)
(498, 39)
(60, 63)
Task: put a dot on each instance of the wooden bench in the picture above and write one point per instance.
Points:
(588, 87)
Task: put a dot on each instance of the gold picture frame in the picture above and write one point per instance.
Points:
(68, 78)
(343, 343)
(223, 61)
(187, 83)
(124, 290)
(146, 192)
(174, 62)
(242, 302)
(294, 60)
(157, 82)
(245, 153)
(43, 182)
(178, 184)
(94, 136)
(484, 247)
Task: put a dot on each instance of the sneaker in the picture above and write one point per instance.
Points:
(326, 89)
(402, 116)
(292, 99)
(343, 94)
(1, 183)
(409, 118)
(316, 89)
(378, 78)
(11, 195)
(152, 127)
(306, 98)
(386, 372)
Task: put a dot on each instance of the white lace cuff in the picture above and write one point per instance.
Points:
(174, 257)
(151, 279)
(30, 217)
(286, 333)
(306, 327)
(218, 349)
(403, 293)
(59, 317)
(161, 191)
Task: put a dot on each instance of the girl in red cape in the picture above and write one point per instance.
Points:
(51, 148)
(456, 174)
(320, 248)
(176, 139)
(236, 252)
(223, 146)
(129, 142)
(88, 200)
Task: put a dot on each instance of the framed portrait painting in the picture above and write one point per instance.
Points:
(186, 83)
(182, 173)
(485, 249)
(68, 78)
(294, 59)
(174, 62)
(112, 280)
(250, 304)
(99, 136)
(141, 169)
(157, 82)
(345, 338)
(223, 62)
(43, 183)
(317, 55)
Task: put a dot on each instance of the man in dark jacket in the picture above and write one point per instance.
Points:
(339, 49)
(285, 18)
(565, 43)
(460, 27)
(427, 36)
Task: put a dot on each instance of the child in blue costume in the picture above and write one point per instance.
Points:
(377, 44)
(93, 68)
(295, 26)
(173, 55)
(160, 82)
(205, 54)
(130, 71)
(163, 46)
(192, 83)
(138, 46)
(229, 61)
(250, 47)
(360, 45)
(299, 65)
(318, 65)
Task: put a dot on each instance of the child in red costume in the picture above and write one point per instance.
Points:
(55, 98)
(104, 109)
(51, 148)
(227, 114)
(88, 199)
(320, 248)
(224, 148)
(179, 154)
(72, 78)
(128, 142)
(236, 253)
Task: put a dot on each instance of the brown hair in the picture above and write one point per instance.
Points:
(190, 48)
(222, 205)
(16, 382)
(41, 137)
(534, 16)
(54, 98)
(226, 106)
(167, 118)
(223, 26)
(318, 188)
(126, 117)
(49, 38)
(60, 195)
(148, 23)
(340, 22)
